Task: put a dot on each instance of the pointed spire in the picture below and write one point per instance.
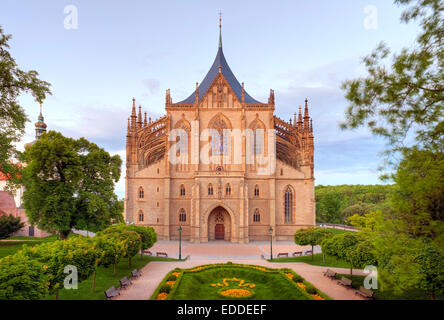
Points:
(294, 120)
(300, 119)
(139, 118)
(220, 30)
(243, 93)
(145, 122)
(40, 125)
(306, 117)
(133, 113)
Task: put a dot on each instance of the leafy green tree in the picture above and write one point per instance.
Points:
(70, 184)
(431, 271)
(22, 278)
(359, 208)
(311, 236)
(147, 235)
(13, 82)
(108, 252)
(131, 240)
(330, 207)
(404, 98)
(366, 222)
(8, 225)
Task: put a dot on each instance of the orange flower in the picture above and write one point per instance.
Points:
(301, 285)
(317, 297)
(236, 293)
(162, 296)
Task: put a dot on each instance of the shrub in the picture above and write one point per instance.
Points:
(229, 262)
(9, 225)
(297, 278)
(172, 278)
(310, 289)
(165, 289)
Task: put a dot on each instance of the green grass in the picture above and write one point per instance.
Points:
(330, 261)
(105, 279)
(197, 285)
(339, 231)
(415, 294)
(10, 247)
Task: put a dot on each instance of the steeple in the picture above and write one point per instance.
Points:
(306, 117)
(220, 66)
(220, 30)
(40, 125)
(139, 118)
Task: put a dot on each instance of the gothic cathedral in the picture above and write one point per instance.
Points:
(220, 165)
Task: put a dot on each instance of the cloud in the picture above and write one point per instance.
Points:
(151, 84)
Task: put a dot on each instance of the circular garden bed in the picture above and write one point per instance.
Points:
(235, 282)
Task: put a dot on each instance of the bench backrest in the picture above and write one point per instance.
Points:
(368, 292)
(331, 272)
(110, 290)
(346, 280)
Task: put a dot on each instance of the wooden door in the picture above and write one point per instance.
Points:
(219, 232)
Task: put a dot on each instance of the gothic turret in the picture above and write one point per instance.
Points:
(40, 125)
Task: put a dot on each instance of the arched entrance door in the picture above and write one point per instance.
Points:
(219, 224)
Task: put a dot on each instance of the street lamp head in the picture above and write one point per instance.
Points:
(180, 228)
(271, 230)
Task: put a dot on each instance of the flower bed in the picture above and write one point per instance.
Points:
(235, 281)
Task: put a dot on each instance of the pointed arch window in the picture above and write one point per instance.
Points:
(141, 216)
(182, 215)
(228, 189)
(256, 191)
(288, 205)
(210, 189)
(220, 137)
(256, 216)
(258, 137)
(141, 193)
(182, 190)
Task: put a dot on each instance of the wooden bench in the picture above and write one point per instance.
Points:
(112, 292)
(282, 254)
(366, 293)
(135, 273)
(345, 282)
(306, 253)
(125, 282)
(147, 252)
(297, 253)
(330, 273)
(161, 254)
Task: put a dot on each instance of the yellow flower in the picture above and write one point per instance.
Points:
(162, 296)
(236, 293)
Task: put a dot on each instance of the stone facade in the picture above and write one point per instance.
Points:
(236, 196)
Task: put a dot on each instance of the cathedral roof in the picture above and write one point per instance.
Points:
(228, 74)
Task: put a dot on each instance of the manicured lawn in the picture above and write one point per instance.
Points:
(339, 231)
(416, 294)
(10, 247)
(211, 282)
(105, 279)
(329, 261)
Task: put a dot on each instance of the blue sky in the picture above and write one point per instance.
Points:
(124, 49)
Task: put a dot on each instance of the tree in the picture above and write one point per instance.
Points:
(70, 184)
(130, 240)
(311, 236)
(404, 98)
(108, 252)
(147, 235)
(13, 82)
(9, 225)
(330, 207)
(350, 247)
(431, 262)
(22, 278)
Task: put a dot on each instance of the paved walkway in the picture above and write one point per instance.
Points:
(221, 252)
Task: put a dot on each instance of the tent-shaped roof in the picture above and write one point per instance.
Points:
(229, 76)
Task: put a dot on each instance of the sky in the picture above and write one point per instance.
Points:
(125, 49)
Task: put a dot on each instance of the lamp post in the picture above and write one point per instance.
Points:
(180, 242)
(271, 243)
